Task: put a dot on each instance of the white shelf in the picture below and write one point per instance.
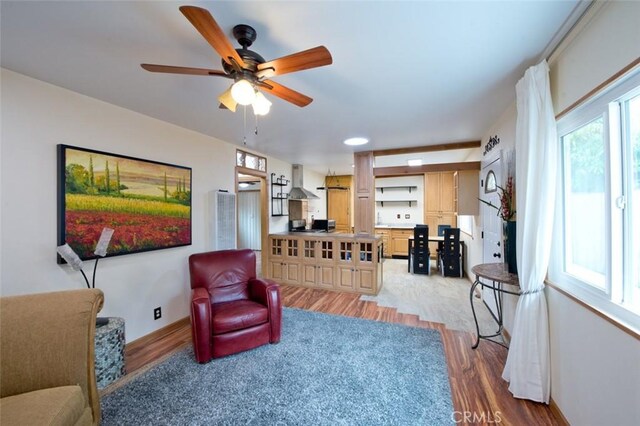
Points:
(396, 201)
(408, 187)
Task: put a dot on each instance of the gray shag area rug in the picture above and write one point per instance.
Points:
(327, 370)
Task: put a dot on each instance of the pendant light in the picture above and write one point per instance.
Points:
(261, 105)
(243, 92)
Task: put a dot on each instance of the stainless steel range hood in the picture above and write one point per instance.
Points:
(297, 180)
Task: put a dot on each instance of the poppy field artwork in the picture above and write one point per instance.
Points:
(147, 203)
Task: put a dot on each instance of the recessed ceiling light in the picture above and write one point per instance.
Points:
(415, 162)
(244, 184)
(356, 141)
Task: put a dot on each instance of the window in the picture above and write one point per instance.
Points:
(250, 161)
(491, 185)
(597, 250)
(584, 202)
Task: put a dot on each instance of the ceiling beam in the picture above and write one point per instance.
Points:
(428, 148)
(417, 170)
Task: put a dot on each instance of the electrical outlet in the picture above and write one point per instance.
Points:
(398, 216)
(157, 313)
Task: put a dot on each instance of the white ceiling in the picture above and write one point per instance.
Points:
(403, 74)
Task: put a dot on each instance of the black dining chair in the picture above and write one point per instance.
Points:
(441, 229)
(450, 257)
(419, 260)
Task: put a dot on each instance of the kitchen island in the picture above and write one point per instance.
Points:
(326, 260)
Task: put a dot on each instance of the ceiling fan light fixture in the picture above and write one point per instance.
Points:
(243, 92)
(261, 105)
(356, 141)
(227, 100)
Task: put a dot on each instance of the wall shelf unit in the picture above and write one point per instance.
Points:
(407, 187)
(395, 201)
(278, 195)
(398, 190)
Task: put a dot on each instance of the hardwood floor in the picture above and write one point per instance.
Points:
(480, 396)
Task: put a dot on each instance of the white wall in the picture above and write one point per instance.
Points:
(387, 213)
(316, 207)
(595, 366)
(37, 116)
(606, 44)
(505, 129)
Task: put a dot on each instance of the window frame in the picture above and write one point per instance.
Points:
(609, 103)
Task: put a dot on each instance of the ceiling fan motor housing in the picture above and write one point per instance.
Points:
(245, 35)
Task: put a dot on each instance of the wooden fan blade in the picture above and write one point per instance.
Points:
(183, 70)
(312, 58)
(211, 31)
(287, 94)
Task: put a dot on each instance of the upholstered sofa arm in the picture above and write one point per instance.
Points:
(201, 324)
(267, 292)
(47, 341)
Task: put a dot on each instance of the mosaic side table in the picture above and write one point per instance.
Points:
(110, 352)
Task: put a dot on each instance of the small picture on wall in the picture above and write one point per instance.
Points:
(147, 203)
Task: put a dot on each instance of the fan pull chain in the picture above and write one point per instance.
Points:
(244, 139)
(256, 131)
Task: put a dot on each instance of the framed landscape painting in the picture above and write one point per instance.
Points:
(147, 203)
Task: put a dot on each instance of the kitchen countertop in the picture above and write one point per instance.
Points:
(395, 225)
(339, 235)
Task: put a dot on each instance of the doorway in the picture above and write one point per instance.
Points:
(252, 219)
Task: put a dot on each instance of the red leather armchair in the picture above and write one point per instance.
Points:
(231, 310)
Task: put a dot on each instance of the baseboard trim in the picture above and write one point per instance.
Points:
(156, 335)
(558, 413)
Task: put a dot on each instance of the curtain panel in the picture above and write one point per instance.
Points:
(527, 368)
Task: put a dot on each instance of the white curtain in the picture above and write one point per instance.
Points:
(527, 368)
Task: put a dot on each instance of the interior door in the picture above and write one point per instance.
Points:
(491, 223)
(249, 229)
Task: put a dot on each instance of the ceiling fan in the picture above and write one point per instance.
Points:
(250, 72)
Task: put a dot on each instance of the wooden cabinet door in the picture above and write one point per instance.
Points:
(320, 276)
(325, 277)
(276, 271)
(399, 246)
(339, 208)
(309, 275)
(439, 192)
(364, 207)
(345, 278)
(365, 280)
(399, 241)
(363, 164)
(292, 273)
(447, 192)
(432, 192)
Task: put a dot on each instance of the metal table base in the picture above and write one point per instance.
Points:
(499, 276)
